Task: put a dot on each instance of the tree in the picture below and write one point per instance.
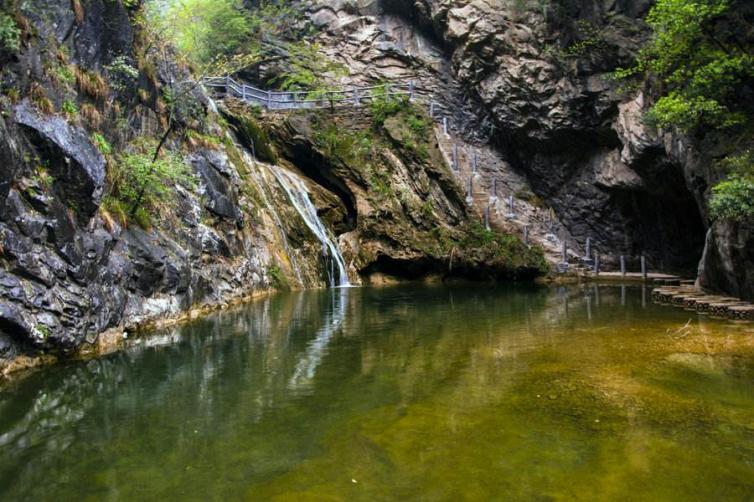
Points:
(202, 30)
(695, 63)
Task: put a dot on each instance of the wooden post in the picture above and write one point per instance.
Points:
(643, 267)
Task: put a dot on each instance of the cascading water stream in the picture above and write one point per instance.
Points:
(299, 195)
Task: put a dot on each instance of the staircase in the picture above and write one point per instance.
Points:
(495, 200)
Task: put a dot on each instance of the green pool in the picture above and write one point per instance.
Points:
(409, 393)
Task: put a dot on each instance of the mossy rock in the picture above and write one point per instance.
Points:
(251, 134)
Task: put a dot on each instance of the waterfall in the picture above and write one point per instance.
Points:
(261, 180)
(299, 195)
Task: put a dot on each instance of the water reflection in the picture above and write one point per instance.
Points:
(401, 385)
(317, 348)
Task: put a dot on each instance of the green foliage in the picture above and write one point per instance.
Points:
(733, 199)
(698, 71)
(590, 41)
(277, 277)
(10, 34)
(307, 69)
(43, 331)
(688, 112)
(64, 74)
(206, 29)
(251, 133)
(408, 125)
(142, 186)
(351, 146)
(384, 105)
(102, 144)
(69, 108)
(122, 74)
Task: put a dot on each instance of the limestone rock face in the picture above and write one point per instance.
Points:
(728, 261)
(533, 80)
(77, 166)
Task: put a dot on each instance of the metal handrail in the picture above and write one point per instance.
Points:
(302, 99)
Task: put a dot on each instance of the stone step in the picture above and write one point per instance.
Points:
(723, 309)
(705, 305)
(673, 294)
(743, 312)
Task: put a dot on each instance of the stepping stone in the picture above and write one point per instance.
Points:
(722, 309)
(742, 312)
(704, 305)
(690, 301)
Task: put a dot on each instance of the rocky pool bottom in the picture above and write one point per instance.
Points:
(432, 393)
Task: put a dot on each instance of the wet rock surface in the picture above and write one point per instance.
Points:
(534, 82)
(547, 127)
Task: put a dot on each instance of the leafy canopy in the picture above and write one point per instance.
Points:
(222, 37)
(696, 66)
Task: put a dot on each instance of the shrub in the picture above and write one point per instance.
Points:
(39, 98)
(144, 186)
(733, 199)
(102, 144)
(384, 106)
(69, 108)
(277, 277)
(10, 34)
(122, 74)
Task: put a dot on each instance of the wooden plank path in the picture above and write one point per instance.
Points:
(690, 298)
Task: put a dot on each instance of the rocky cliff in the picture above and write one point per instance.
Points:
(530, 83)
(86, 90)
(540, 140)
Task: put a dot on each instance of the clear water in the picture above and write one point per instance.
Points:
(399, 394)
